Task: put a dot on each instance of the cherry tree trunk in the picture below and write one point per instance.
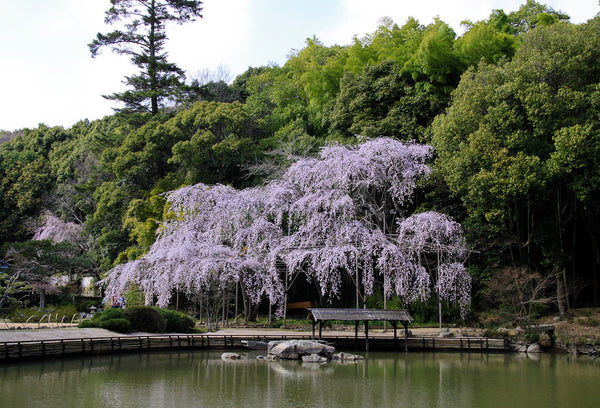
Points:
(560, 292)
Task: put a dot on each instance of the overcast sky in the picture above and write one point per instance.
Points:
(48, 76)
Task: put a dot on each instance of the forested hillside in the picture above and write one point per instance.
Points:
(511, 108)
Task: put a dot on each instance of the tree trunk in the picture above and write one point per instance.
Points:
(245, 303)
(42, 299)
(253, 312)
(560, 292)
(152, 64)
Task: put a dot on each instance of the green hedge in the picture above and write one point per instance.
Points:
(84, 324)
(107, 315)
(145, 319)
(176, 322)
(141, 318)
(121, 325)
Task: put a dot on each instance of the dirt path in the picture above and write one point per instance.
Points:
(21, 332)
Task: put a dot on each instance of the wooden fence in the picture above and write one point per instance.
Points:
(14, 350)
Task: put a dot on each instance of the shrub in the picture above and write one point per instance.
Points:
(120, 325)
(145, 319)
(86, 323)
(100, 317)
(111, 313)
(176, 321)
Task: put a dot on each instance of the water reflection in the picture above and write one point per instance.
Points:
(183, 379)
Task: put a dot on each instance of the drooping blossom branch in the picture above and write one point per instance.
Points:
(317, 219)
(434, 238)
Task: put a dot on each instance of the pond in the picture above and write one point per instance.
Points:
(202, 379)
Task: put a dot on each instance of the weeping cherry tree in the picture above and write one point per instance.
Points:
(322, 218)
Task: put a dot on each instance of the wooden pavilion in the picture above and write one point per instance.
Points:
(322, 315)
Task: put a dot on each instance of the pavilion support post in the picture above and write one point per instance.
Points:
(366, 322)
(405, 324)
(395, 326)
(314, 322)
(356, 334)
(320, 329)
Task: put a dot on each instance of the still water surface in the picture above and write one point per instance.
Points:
(202, 379)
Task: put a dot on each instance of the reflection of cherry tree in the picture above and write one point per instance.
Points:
(322, 218)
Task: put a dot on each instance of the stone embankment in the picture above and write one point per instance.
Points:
(575, 335)
(579, 333)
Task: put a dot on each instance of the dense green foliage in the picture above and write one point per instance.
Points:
(145, 319)
(120, 325)
(176, 322)
(110, 319)
(518, 146)
(141, 318)
(512, 107)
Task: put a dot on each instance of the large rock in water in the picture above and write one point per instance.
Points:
(534, 348)
(295, 349)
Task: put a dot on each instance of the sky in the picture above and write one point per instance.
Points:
(47, 74)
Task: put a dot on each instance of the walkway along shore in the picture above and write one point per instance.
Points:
(60, 342)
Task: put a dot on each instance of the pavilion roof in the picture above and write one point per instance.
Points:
(326, 313)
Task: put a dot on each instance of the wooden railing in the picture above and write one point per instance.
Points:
(11, 350)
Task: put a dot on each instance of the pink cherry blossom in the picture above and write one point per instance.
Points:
(322, 218)
(58, 230)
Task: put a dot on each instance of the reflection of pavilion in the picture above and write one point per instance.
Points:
(323, 315)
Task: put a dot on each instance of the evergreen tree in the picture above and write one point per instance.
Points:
(143, 38)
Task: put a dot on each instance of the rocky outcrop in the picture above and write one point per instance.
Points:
(445, 332)
(520, 347)
(295, 349)
(584, 349)
(503, 331)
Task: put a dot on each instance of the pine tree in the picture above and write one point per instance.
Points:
(143, 39)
